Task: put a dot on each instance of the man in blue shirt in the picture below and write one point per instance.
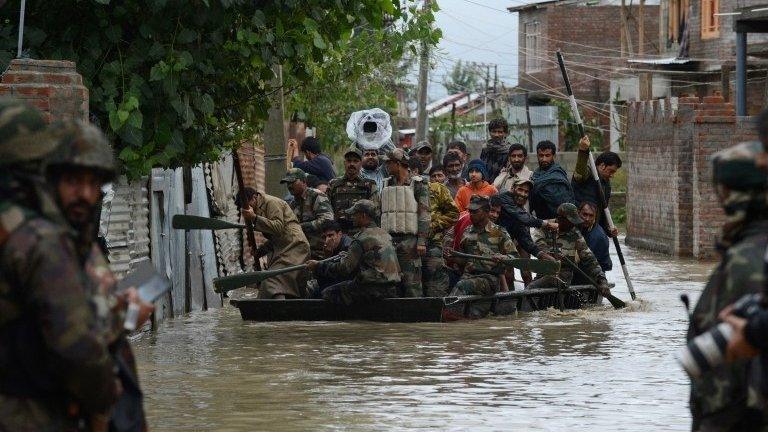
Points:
(595, 237)
(315, 162)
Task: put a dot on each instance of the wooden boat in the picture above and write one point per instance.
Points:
(422, 309)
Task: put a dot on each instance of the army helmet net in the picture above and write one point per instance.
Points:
(24, 135)
(82, 145)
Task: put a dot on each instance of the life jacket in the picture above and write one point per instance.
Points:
(399, 209)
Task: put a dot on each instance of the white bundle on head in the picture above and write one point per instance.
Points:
(370, 129)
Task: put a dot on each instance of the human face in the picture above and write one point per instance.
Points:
(479, 217)
(331, 240)
(588, 215)
(352, 165)
(493, 215)
(297, 188)
(521, 192)
(475, 176)
(453, 169)
(425, 157)
(393, 167)
(563, 224)
(516, 160)
(546, 158)
(606, 172)
(361, 219)
(461, 154)
(370, 159)
(498, 133)
(79, 191)
(437, 176)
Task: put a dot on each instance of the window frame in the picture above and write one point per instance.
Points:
(710, 22)
(532, 31)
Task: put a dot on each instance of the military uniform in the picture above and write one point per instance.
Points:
(405, 216)
(482, 277)
(371, 261)
(344, 192)
(724, 399)
(571, 245)
(312, 209)
(444, 215)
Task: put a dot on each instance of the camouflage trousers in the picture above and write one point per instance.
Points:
(351, 291)
(19, 414)
(483, 284)
(410, 264)
(546, 282)
(434, 274)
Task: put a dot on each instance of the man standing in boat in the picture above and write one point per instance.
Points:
(286, 243)
(311, 207)
(585, 188)
(350, 188)
(551, 186)
(483, 238)
(571, 249)
(371, 262)
(405, 216)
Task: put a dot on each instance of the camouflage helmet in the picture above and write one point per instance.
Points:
(24, 135)
(82, 145)
(736, 169)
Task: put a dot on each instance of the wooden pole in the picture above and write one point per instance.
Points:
(528, 122)
(421, 110)
(274, 138)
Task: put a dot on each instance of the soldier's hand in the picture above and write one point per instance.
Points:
(248, 213)
(738, 347)
(550, 225)
(584, 143)
(603, 287)
(498, 258)
(546, 256)
(312, 265)
(131, 295)
(447, 252)
(421, 250)
(614, 232)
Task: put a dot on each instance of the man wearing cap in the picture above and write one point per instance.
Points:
(486, 238)
(344, 191)
(422, 152)
(405, 216)
(371, 262)
(444, 215)
(311, 206)
(571, 249)
(286, 243)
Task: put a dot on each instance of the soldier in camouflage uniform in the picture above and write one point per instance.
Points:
(571, 245)
(444, 215)
(723, 399)
(311, 207)
(344, 191)
(405, 216)
(60, 343)
(371, 261)
(486, 238)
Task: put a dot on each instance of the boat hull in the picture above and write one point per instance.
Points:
(421, 309)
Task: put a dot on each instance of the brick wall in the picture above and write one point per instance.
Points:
(672, 207)
(53, 86)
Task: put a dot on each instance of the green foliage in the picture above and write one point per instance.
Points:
(463, 78)
(570, 129)
(176, 82)
(367, 70)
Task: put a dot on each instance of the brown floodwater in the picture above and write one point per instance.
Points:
(595, 369)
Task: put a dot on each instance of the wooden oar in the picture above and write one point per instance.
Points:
(228, 283)
(616, 302)
(544, 267)
(593, 169)
(190, 222)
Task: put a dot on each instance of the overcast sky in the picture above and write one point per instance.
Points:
(475, 30)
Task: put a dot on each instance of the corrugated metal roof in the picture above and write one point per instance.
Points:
(125, 224)
(661, 61)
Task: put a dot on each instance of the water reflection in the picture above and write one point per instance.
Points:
(599, 369)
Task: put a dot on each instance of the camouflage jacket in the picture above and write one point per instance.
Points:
(421, 193)
(370, 259)
(312, 210)
(488, 241)
(444, 212)
(343, 193)
(719, 397)
(571, 244)
(55, 317)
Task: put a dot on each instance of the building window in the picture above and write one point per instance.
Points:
(532, 47)
(710, 22)
(677, 18)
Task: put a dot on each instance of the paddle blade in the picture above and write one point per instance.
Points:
(190, 222)
(616, 302)
(225, 284)
(542, 267)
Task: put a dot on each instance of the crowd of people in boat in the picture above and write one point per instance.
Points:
(390, 225)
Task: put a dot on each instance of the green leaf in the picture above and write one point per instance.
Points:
(318, 41)
(158, 71)
(122, 116)
(186, 36)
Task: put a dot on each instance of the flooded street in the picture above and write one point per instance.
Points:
(598, 369)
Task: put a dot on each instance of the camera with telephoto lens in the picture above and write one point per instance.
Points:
(707, 350)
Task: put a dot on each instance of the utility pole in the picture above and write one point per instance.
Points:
(421, 113)
(528, 120)
(274, 138)
(485, 101)
(21, 28)
(453, 120)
